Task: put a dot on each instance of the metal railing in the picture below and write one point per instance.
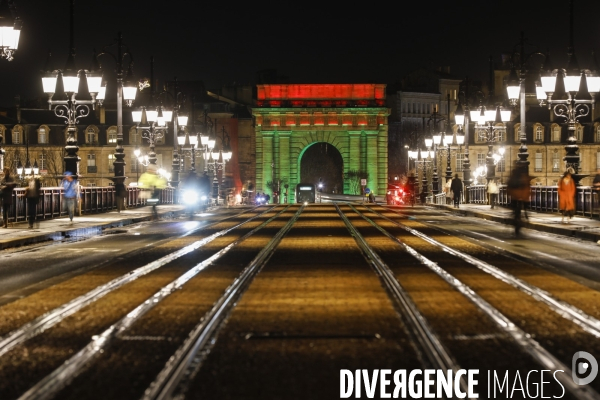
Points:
(94, 199)
(542, 199)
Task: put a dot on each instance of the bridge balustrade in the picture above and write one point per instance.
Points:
(542, 199)
(94, 199)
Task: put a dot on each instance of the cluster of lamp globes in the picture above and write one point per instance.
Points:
(10, 31)
(447, 141)
(28, 169)
(158, 119)
(547, 84)
(95, 83)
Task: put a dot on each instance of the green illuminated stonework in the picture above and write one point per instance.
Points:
(360, 134)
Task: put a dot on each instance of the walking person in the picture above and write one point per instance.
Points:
(519, 191)
(32, 195)
(70, 187)
(448, 191)
(566, 195)
(7, 186)
(492, 189)
(120, 195)
(152, 184)
(457, 188)
(596, 187)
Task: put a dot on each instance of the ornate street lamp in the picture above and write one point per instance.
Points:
(215, 161)
(569, 93)
(461, 118)
(173, 112)
(66, 104)
(490, 127)
(516, 90)
(436, 135)
(150, 123)
(126, 91)
(10, 30)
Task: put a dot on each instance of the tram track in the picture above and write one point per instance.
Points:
(229, 319)
(437, 355)
(56, 315)
(525, 340)
(33, 335)
(60, 377)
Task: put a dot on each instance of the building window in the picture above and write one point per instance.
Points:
(556, 133)
(480, 136)
(135, 164)
(481, 159)
(43, 134)
(42, 165)
(460, 159)
(517, 133)
(134, 136)
(501, 166)
(539, 133)
(538, 162)
(111, 134)
(91, 164)
(91, 135)
(111, 161)
(555, 161)
(597, 135)
(17, 134)
(579, 132)
(501, 133)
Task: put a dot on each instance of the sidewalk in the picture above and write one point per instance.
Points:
(584, 228)
(19, 234)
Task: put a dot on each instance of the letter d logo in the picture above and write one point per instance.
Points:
(583, 367)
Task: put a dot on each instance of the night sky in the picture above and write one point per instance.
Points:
(222, 42)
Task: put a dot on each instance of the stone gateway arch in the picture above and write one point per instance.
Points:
(292, 117)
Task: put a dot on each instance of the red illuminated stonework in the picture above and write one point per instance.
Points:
(351, 117)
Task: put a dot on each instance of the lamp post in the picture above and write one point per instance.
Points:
(423, 158)
(216, 161)
(490, 126)
(445, 149)
(10, 30)
(516, 90)
(126, 90)
(174, 112)
(66, 104)
(150, 122)
(569, 93)
(28, 169)
(436, 135)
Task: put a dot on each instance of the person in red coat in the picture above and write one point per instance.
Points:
(566, 195)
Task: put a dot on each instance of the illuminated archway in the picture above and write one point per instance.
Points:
(352, 118)
(322, 163)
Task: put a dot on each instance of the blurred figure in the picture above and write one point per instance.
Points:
(566, 195)
(492, 189)
(7, 186)
(32, 194)
(596, 187)
(120, 195)
(448, 191)
(457, 188)
(152, 183)
(70, 187)
(519, 191)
